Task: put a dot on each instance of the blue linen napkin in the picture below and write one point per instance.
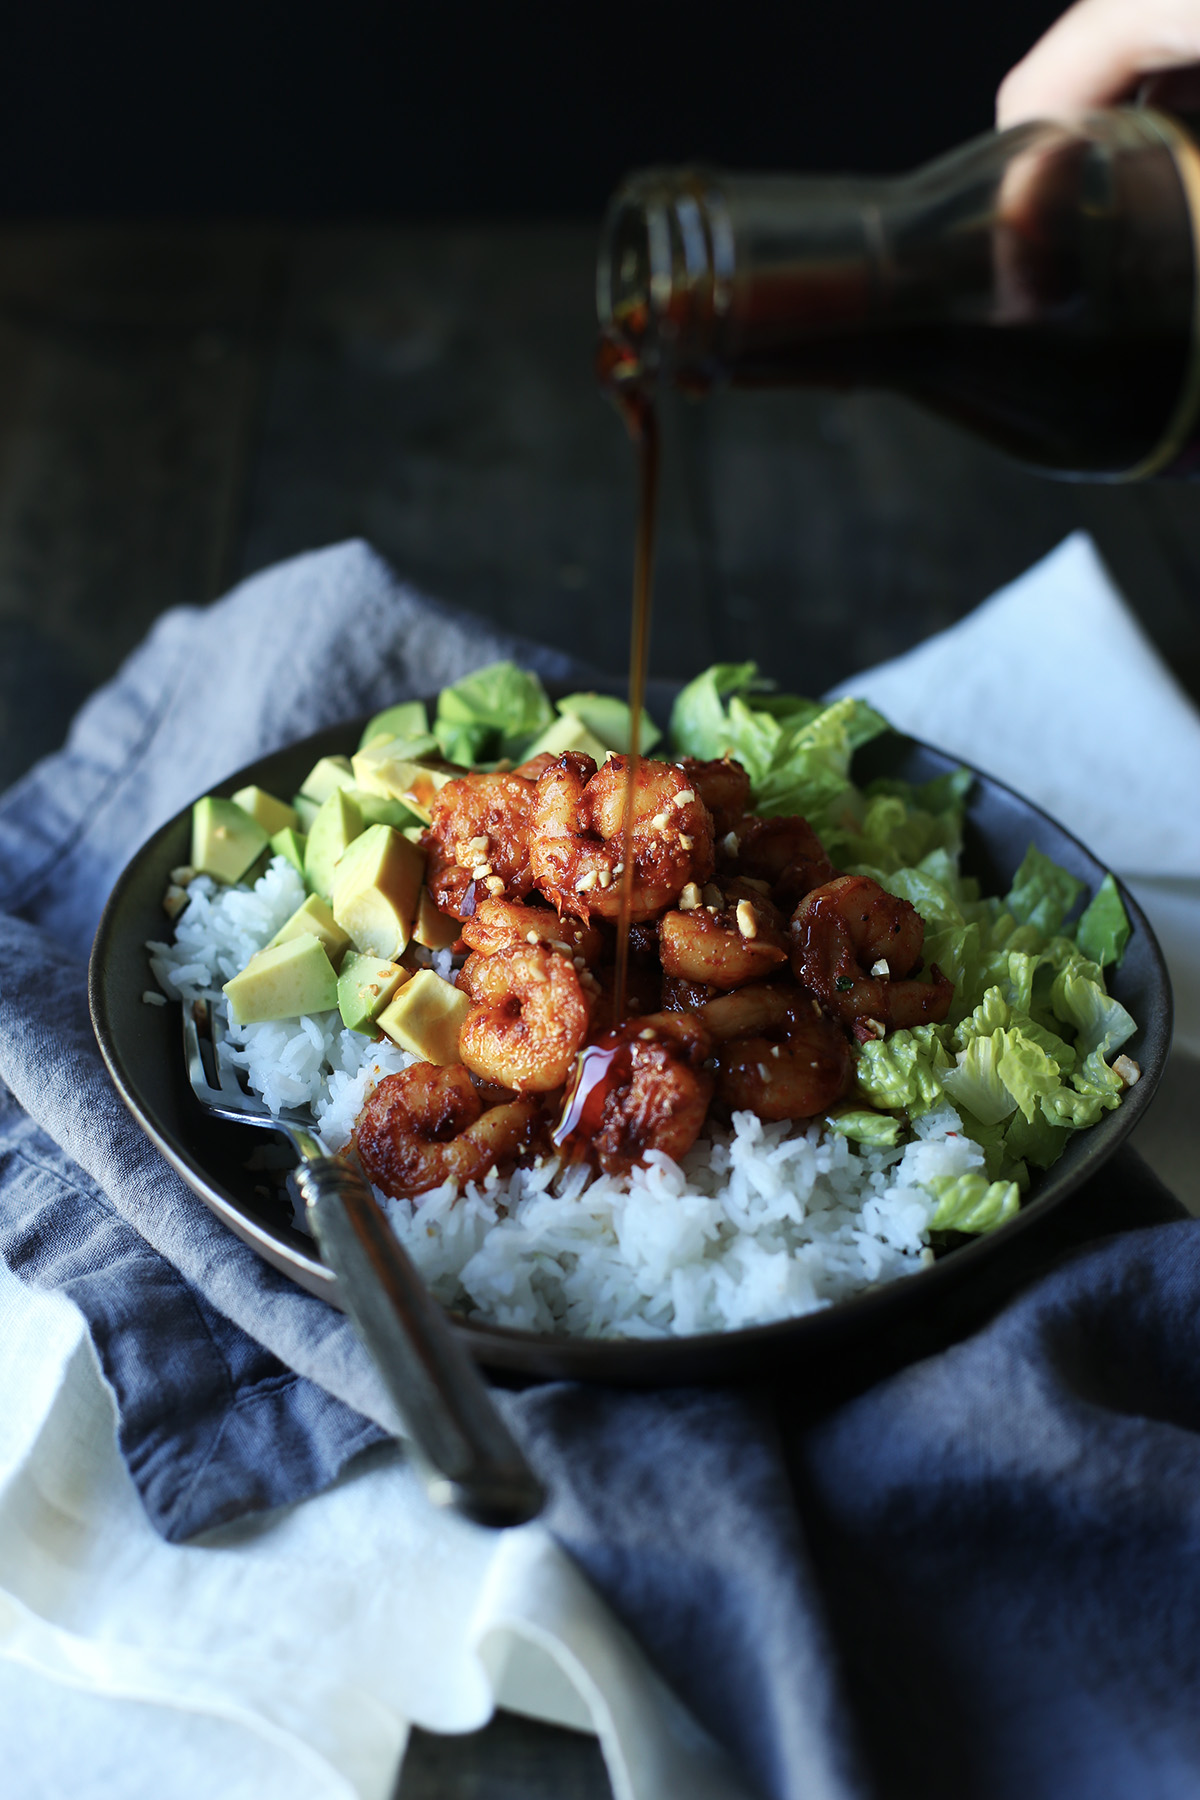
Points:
(976, 1579)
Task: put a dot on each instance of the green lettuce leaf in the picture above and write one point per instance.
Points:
(877, 1129)
(904, 1070)
(975, 1081)
(492, 713)
(1042, 894)
(972, 1202)
(1103, 931)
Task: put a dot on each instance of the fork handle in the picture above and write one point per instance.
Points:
(471, 1460)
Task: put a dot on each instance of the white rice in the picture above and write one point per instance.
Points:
(758, 1221)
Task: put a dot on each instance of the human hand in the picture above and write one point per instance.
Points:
(1097, 53)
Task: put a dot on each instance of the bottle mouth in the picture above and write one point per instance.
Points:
(663, 273)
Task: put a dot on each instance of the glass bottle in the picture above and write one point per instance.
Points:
(1038, 286)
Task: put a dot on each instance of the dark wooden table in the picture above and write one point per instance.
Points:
(180, 406)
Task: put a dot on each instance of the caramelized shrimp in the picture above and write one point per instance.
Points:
(428, 1125)
(723, 945)
(477, 844)
(794, 1076)
(536, 767)
(530, 1017)
(767, 1006)
(577, 847)
(852, 945)
(641, 1087)
(784, 852)
(724, 787)
(503, 924)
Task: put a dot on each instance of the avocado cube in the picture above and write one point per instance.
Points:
(436, 930)
(291, 844)
(568, 733)
(306, 811)
(608, 718)
(334, 829)
(426, 1017)
(375, 890)
(272, 814)
(284, 981)
(408, 720)
(365, 986)
(387, 769)
(378, 811)
(315, 918)
(225, 839)
(325, 777)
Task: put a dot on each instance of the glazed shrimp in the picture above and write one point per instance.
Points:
(785, 852)
(852, 945)
(530, 1017)
(651, 1093)
(723, 786)
(794, 1076)
(503, 924)
(577, 837)
(726, 940)
(428, 1125)
(477, 844)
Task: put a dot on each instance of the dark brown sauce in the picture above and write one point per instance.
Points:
(599, 1069)
(620, 375)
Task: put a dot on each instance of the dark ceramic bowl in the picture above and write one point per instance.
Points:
(873, 1331)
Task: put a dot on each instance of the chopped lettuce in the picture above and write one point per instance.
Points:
(1042, 894)
(1103, 931)
(491, 714)
(904, 1070)
(972, 1202)
(865, 1126)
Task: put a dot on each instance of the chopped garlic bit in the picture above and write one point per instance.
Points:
(881, 968)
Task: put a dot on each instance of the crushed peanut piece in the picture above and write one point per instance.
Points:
(881, 968)
(729, 843)
(494, 885)
(683, 798)
(1129, 1071)
(689, 899)
(686, 843)
(747, 923)
(586, 882)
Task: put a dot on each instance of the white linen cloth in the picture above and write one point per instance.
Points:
(289, 1654)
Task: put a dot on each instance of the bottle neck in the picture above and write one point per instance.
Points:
(1060, 253)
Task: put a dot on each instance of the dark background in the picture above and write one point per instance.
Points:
(293, 109)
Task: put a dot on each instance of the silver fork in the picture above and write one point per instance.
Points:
(469, 1457)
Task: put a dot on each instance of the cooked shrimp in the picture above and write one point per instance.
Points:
(685, 996)
(477, 844)
(723, 786)
(794, 1076)
(785, 852)
(730, 938)
(852, 945)
(641, 1087)
(578, 836)
(536, 767)
(503, 924)
(428, 1125)
(530, 1017)
(767, 1006)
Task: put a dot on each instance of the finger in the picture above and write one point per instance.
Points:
(1096, 53)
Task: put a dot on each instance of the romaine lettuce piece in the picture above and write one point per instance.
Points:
(904, 1070)
(1042, 894)
(972, 1202)
(877, 1129)
(1103, 931)
(975, 1082)
(493, 712)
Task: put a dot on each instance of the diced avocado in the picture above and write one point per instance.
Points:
(306, 811)
(426, 1017)
(567, 733)
(291, 844)
(436, 930)
(225, 839)
(272, 814)
(378, 811)
(375, 891)
(365, 986)
(408, 720)
(385, 768)
(284, 981)
(608, 718)
(325, 777)
(334, 829)
(315, 918)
